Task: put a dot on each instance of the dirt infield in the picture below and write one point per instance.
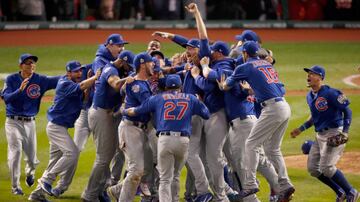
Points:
(349, 162)
(73, 37)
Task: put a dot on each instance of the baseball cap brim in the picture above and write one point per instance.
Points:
(77, 68)
(189, 44)
(33, 57)
(239, 37)
(310, 70)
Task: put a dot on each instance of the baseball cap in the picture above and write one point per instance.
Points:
(141, 58)
(73, 66)
(157, 64)
(250, 47)
(247, 35)
(221, 47)
(26, 56)
(173, 81)
(317, 70)
(156, 52)
(116, 39)
(306, 146)
(194, 42)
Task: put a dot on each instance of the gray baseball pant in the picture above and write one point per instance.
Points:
(268, 130)
(172, 154)
(104, 129)
(194, 161)
(21, 135)
(132, 140)
(238, 133)
(216, 131)
(322, 158)
(60, 143)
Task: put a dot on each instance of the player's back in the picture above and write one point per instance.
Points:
(173, 111)
(264, 80)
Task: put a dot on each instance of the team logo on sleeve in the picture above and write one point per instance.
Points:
(321, 104)
(342, 99)
(33, 91)
(135, 88)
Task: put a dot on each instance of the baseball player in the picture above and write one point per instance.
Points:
(22, 94)
(269, 129)
(104, 125)
(132, 130)
(172, 111)
(331, 117)
(62, 115)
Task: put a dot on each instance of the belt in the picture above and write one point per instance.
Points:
(22, 118)
(136, 123)
(172, 133)
(271, 100)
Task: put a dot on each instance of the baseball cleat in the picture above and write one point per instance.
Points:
(37, 198)
(57, 192)
(29, 180)
(341, 197)
(286, 195)
(46, 187)
(247, 192)
(204, 197)
(353, 196)
(17, 191)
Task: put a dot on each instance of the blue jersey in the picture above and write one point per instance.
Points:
(26, 102)
(173, 111)
(261, 76)
(136, 93)
(67, 103)
(86, 102)
(238, 102)
(327, 107)
(105, 96)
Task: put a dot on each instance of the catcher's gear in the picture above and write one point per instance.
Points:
(337, 140)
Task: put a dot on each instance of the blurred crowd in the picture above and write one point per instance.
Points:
(62, 10)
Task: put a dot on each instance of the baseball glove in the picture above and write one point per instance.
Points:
(337, 140)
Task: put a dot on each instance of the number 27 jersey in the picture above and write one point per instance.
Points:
(173, 111)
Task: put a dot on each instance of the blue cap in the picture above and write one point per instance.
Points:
(173, 81)
(141, 58)
(157, 64)
(247, 35)
(221, 47)
(316, 70)
(194, 42)
(127, 56)
(250, 47)
(306, 146)
(116, 39)
(26, 56)
(73, 66)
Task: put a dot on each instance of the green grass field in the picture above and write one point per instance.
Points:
(339, 59)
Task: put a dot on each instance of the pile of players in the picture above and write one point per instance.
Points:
(223, 106)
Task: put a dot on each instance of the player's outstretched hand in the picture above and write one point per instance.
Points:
(24, 84)
(165, 35)
(294, 133)
(191, 8)
(130, 79)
